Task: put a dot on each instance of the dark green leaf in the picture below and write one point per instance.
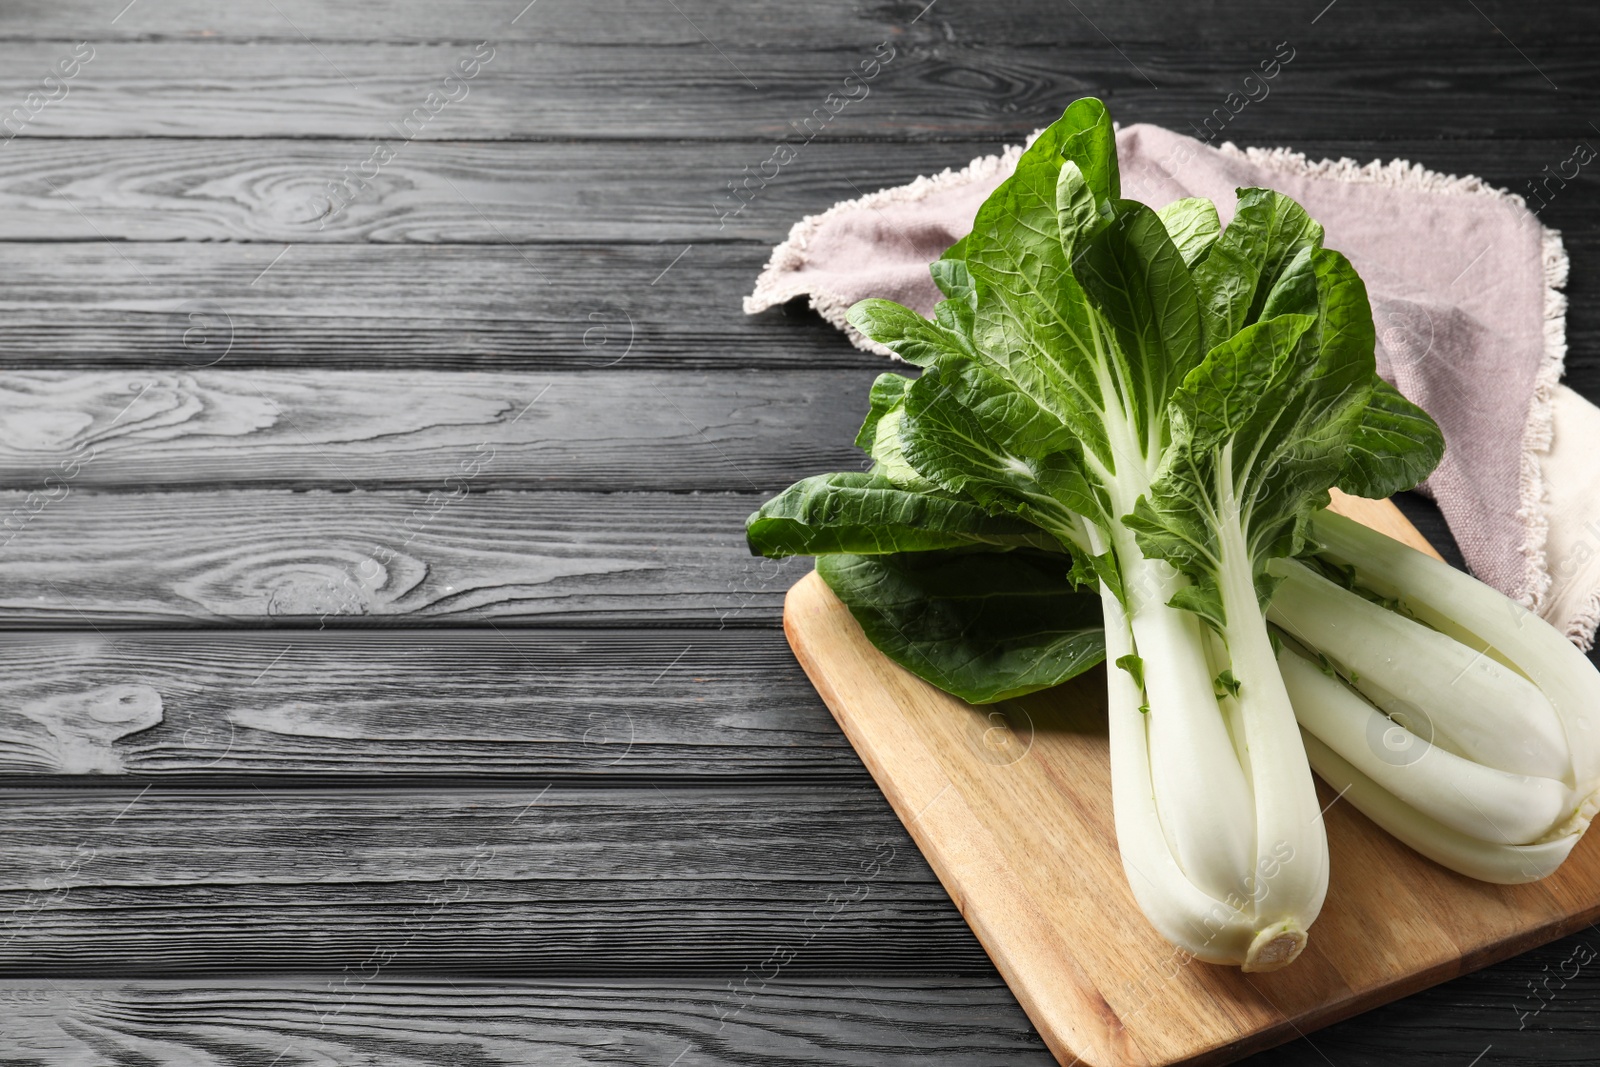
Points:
(1138, 281)
(865, 514)
(1033, 323)
(952, 277)
(1078, 213)
(904, 332)
(985, 626)
(1262, 428)
(1134, 665)
(1087, 138)
(880, 435)
(976, 436)
(1234, 280)
(888, 392)
(1394, 448)
(950, 274)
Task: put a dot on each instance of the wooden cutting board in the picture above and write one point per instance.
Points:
(1011, 805)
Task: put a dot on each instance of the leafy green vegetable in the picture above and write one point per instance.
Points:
(1154, 406)
(985, 626)
(1252, 259)
(1395, 447)
(1156, 418)
(880, 434)
(1193, 225)
(866, 514)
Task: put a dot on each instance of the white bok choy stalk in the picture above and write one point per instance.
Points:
(1171, 404)
(1451, 716)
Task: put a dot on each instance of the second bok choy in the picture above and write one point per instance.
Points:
(1145, 410)
(1454, 718)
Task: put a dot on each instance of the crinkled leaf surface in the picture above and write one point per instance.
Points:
(1262, 428)
(864, 513)
(1234, 280)
(985, 626)
(1394, 448)
(1193, 225)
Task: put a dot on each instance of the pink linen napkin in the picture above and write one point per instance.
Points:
(1465, 288)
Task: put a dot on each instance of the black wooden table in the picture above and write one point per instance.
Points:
(384, 677)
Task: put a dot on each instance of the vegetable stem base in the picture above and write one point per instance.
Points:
(1277, 946)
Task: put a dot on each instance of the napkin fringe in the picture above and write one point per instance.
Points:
(1537, 432)
(1540, 435)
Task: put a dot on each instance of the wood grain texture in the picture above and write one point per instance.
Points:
(454, 433)
(512, 192)
(1019, 829)
(930, 87)
(320, 558)
(418, 275)
(822, 23)
(591, 306)
(183, 306)
(522, 880)
(590, 704)
(861, 1022)
(487, 193)
(324, 559)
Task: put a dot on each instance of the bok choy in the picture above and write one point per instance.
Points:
(1153, 408)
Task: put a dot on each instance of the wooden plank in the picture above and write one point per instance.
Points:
(319, 559)
(79, 559)
(525, 881)
(783, 1020)
(1021, 834)
(495, 193)
(822, 23)
(451, 432)
(777, 1022)
(507, 702)
(591, 704)
(931, 89)
(186, 305)
(1583, 295)
(489, 193)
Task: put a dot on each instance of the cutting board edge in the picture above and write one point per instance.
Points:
(933, 848)
(811, 587)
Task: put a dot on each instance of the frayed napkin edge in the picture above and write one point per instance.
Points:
(1538, 430)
